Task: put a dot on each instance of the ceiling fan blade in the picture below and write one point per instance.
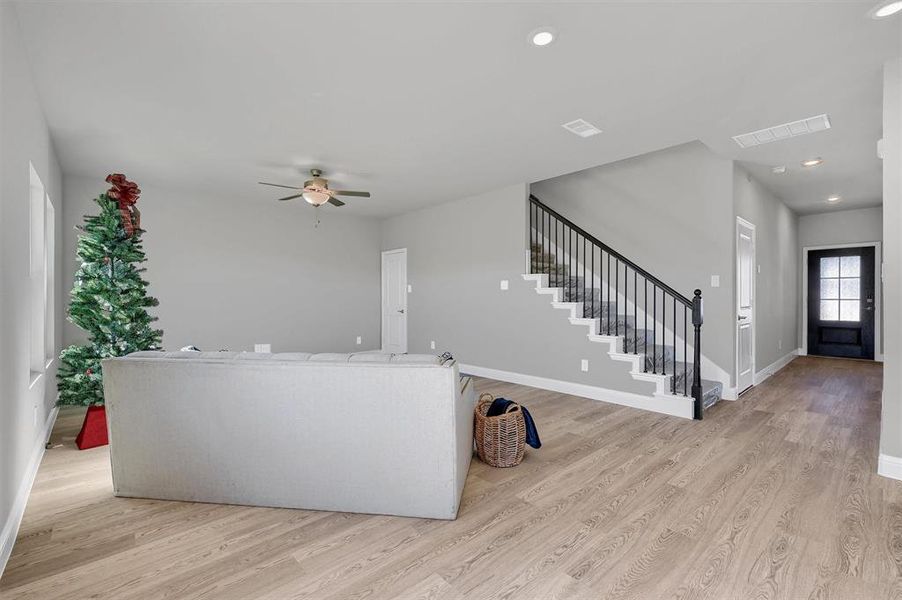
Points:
(336, 202)
(349, 193)
(290, 187)
(290, 197)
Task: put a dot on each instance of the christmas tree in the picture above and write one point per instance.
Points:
(109, 299)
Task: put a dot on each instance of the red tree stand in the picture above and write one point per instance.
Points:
(93, 431)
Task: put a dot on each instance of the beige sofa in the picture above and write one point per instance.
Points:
(365, 432)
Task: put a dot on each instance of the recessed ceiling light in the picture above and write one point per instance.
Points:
(542, 37)
(834, 199)
(812, 162)
(885, 9)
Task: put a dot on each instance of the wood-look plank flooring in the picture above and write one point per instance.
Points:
(773, 496)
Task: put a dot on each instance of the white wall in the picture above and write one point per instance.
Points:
(25, 411)
(670, 212)
(231, 272)
(891, 416)
(841, 227)
(777, 302)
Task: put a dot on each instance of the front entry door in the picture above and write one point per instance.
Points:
(394, 301)
(841, 302)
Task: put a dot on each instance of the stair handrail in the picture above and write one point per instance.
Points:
(694, 305)
(686, 301)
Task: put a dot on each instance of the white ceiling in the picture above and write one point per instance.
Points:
(420, 103)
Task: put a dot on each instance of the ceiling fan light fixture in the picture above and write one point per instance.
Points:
(316, 198)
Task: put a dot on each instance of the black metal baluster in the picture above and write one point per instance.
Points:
(635, 312)
(654, 325)
(608, 305)
(645, 331)
(663, 332)
(616, 296)
(685, 356)
(585, 304)
(593, 284)
(673, 374)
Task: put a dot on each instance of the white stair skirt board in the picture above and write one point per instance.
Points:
(676, 406)
(615, 345)
(709, 368)
(889, 466)
(778, 364)
(11, 527)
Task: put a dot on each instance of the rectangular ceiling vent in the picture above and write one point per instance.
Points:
(582, 128)
(782, 132)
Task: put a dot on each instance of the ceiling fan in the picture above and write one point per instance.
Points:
(316, 191)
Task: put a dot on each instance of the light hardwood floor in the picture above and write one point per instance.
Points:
(773, 496)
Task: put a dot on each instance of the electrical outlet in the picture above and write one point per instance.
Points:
(715, 281)
(505, 284)
(265, 348)
(780, 345)
(432, 345)
(584, 365)
(359, 340)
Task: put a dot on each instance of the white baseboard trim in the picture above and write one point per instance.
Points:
(778, 364)
(677, 406)
(14, 520)
(889, 466)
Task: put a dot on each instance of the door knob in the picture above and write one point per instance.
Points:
(401, 311)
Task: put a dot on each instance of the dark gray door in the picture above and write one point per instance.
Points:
(841, 303)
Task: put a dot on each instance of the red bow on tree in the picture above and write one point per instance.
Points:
(126, 193)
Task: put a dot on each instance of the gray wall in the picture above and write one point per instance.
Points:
(841, 227)
(777, 281)
(24, 410)
(458, 253)
(231, 272)
(891, 416)
(671, 212)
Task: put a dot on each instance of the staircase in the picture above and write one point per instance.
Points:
(643, 321)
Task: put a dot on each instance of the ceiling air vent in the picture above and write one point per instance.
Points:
(782, 132)
(582, 128)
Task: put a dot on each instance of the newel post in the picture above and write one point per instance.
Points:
(697, 320)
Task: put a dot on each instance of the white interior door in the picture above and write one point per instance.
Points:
(394, 301)
(745, 305)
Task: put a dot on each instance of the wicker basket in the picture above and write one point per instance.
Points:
(500, 440)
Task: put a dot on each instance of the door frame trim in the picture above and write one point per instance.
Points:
(878, 292)
(740, 222)
(382, 297)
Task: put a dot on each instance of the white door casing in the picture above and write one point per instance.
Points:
(394, 301)
(745, 304)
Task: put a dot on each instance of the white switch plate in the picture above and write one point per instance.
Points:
(584, 365)
(780, 345)
(715, 281)
(504, 284)
(409, 288)
(262, 348)
(759, 269)
(359, 340)
(432, 344)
